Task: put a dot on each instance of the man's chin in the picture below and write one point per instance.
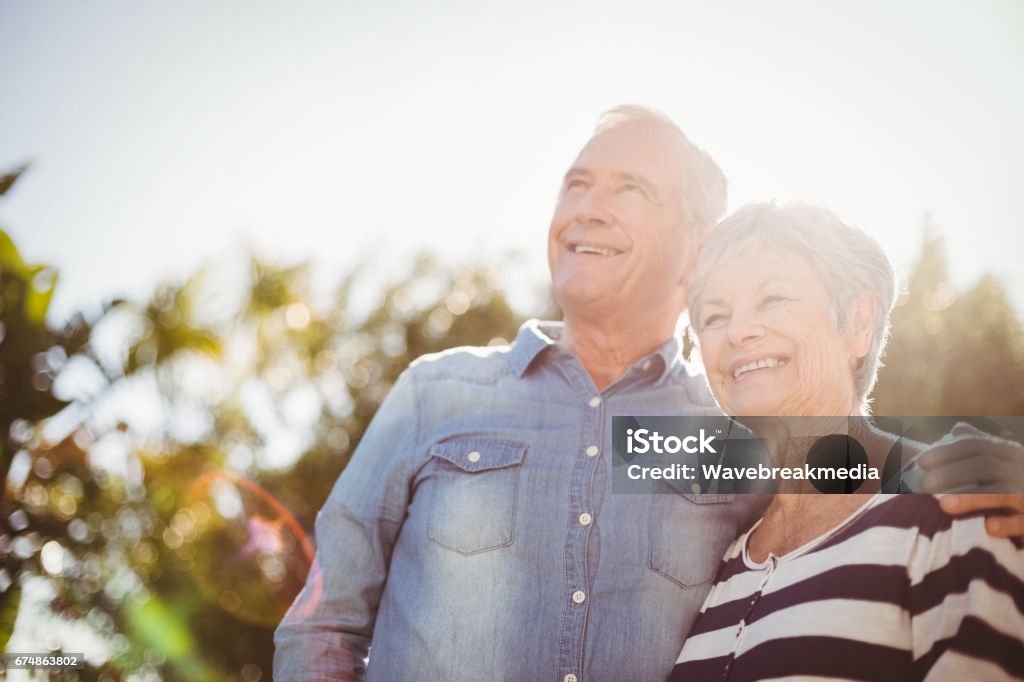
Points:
(582, 290)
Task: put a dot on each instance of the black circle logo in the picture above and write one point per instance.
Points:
(833, 452)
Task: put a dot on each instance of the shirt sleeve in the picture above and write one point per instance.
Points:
(967, 604)
(326, 632)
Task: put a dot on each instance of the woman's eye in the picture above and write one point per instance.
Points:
(713, 320)
(770, 300)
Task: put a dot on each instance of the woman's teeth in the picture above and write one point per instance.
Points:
(758, 364)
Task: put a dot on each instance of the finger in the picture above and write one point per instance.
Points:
(961, 429)
(964, 448)
(965, 504)
(1005, 526)
(945, 451)
(977, 471)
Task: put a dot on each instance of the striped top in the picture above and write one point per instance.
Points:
(898, 591)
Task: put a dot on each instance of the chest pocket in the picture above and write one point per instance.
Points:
(473, 493)
(689, 534)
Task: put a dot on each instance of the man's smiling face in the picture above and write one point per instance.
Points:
(618, 238)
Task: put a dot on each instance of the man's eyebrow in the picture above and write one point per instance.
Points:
(720, 302)
(576, 171)
(638, 180)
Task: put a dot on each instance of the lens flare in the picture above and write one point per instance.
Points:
(251, 555)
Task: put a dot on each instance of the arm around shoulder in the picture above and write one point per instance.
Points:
(326, 632)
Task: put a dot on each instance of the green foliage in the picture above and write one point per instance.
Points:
(170, 328)
(30, 356)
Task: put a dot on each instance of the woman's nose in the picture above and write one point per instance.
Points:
(744, 327)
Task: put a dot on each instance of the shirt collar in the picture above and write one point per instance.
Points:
(535, 336)
(670, 354)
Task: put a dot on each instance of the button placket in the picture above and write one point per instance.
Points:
(571, 650)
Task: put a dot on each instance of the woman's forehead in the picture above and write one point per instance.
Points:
(756, 266)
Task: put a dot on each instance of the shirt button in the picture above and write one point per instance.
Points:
(578, 597)
(595, 401)
(646, 366)
(569, 678)
(585, 519)
(695, 488)
(473, 456)
(592, 451)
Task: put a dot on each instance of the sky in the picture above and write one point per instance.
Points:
(162, 136)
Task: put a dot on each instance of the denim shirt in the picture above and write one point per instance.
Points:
(474, 534)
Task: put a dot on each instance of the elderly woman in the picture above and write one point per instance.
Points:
(791, 310)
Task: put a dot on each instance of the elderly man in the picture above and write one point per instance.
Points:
(474, 534)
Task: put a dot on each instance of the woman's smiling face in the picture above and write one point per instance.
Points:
(769, 339)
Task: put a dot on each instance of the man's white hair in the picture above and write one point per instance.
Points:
(703, 191)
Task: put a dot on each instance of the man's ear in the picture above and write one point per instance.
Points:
(694, 244)
(860, 324)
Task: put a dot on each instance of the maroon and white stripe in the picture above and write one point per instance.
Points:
(898, 591)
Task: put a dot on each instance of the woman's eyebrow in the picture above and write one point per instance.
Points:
(769, 282)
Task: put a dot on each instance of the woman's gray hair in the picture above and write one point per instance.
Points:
(703, 192)
(849, 261)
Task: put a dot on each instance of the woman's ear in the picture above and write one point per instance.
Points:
(860, 323)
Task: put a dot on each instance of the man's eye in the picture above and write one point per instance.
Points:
(575, 184)
(630, 187)
(771, 300)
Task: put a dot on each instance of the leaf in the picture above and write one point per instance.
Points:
(9, 603)
(157, 625)
(8, 179)
(40, 291)
(10, 259)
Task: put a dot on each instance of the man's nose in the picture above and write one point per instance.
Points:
(594, 208)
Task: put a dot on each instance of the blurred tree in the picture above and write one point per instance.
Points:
(26, 365)
(985, 363)
(909, 383)
(951, 354)
(228, 431)
(30, 356)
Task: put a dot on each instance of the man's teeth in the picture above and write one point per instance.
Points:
(759, 364)
(583, 248)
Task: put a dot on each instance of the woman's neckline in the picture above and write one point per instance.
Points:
(771, 557)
